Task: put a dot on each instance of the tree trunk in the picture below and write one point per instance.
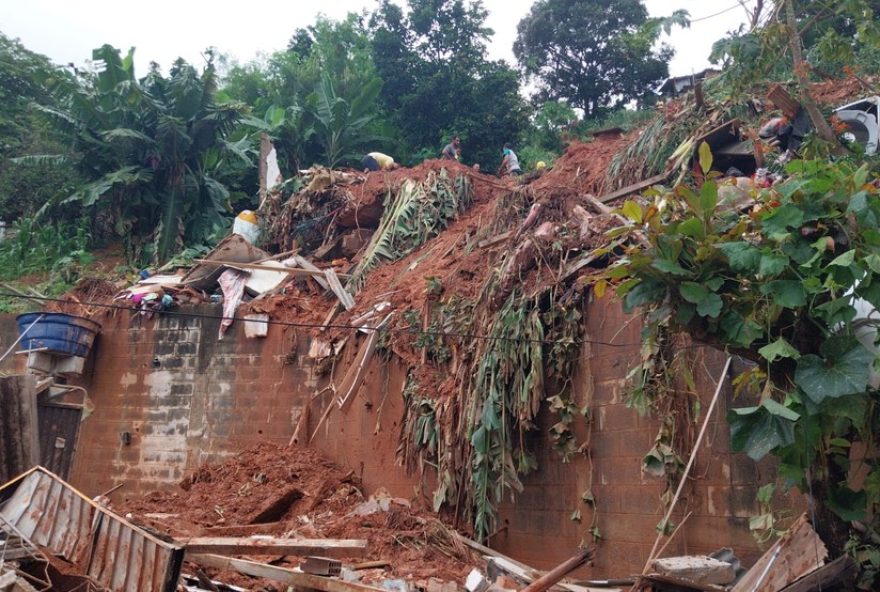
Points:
(800, 71)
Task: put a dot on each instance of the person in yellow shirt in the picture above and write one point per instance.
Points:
(376, 161)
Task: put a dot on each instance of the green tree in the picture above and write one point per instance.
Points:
(438, 82)
(597, 54)
(286, 90)
(151, 150)
(837, 36)
(27, 77)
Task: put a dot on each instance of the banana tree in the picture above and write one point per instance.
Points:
(152, 148)
(341, 126)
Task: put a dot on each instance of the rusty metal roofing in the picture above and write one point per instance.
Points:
(115, 553)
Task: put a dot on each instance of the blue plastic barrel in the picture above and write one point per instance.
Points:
(58, 333)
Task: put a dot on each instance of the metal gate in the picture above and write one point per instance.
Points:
(59, 430)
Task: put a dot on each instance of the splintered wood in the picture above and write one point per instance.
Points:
(795, 555)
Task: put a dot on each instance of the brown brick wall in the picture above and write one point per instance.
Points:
(207, 399)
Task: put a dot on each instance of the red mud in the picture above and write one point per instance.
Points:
(232, 493)
(581, 169)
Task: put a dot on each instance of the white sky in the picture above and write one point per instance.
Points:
(162, 30)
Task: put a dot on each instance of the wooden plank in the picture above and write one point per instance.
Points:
(786, 103)
(795, 555)
(841, 570)
(635, 187)
(306, 264)
(241, 530)
(345, 298)
(281, 574)
(499, 238)
(275, 546)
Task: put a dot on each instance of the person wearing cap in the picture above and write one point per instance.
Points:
(376, 161)
(509, 163)
(452, 151)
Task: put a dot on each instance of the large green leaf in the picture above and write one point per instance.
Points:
(648, 290)
(772, 264)
(693, 292)
(761, 429)
(778, 349)
(710, 306)
(738, 330)
(844, 369)
(783, 218)
(786, 293)
(742, 257)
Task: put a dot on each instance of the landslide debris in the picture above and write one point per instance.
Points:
(218, 498)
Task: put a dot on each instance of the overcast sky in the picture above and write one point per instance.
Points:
(162, 30)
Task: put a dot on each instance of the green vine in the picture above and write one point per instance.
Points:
(783, 283)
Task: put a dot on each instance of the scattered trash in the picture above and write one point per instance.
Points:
(245, 225)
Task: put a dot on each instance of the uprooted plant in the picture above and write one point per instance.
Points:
(413, 214)
(789, 284)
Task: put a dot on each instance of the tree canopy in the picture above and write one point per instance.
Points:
(596, 55)
(439, 82)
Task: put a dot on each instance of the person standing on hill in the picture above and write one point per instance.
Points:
(376, 161)
(509, 163)
(452, 151)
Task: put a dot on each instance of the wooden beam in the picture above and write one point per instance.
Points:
(274, 546)
(634, 188)
(784, 101)
(841, 570)
(281, 574)
(549, 579)
(297, 270)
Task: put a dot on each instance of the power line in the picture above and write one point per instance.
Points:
(709, 16)
(407, 330)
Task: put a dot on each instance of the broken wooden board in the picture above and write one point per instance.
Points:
(244, 530)
(519, 570)
(782, 99)
(346, 299)
(842, 570)
(260, 545)
(355, 375)
(635, 187)
(307, 265)
(162, 280)
(281, 574)
(795, 555)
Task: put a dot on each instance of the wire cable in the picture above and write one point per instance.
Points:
(406, 330)
(710, 16)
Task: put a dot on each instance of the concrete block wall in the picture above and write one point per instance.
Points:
(185, 398)
(720, 496)
(170, 396)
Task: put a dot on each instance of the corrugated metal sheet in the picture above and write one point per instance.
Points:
(117, 554)
(59, 430)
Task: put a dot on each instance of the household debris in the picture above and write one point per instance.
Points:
(86, 537)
